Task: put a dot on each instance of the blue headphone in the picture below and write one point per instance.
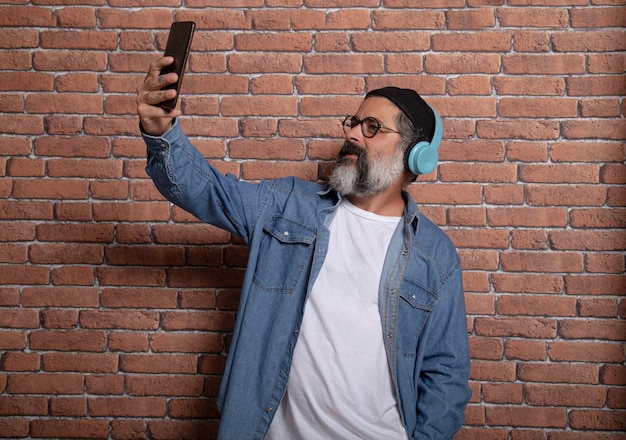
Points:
(423, 156)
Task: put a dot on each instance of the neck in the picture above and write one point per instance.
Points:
(388, 202)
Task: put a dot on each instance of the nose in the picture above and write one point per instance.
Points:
(355, 134)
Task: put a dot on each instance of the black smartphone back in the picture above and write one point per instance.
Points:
(178, 44)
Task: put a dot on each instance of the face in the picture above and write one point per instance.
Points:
(367, 166)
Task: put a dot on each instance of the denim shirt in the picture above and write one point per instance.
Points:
(284, 223)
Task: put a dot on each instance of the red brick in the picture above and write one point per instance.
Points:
(526, 350)
(83, 146)
(542, 262)
(128, 342)
(17, 361)
(529, 239)
(192, 408)
(528, 283)
(586, 352)
(532, 17)
(72, 275)
(159, 363)
(68, 406)
(598, 420)
(600, 129)
(127, 407)
(493, 371)
(185, 343)
(61, 125)
(597, 17)
(595, 285)
(161, 385)
(59, 319)
(598, 307)
(137, 212)
(154, 18)
(83, 39)
(128, 429)
(531, 41)
(22, 167)
(447, 193)
(106, 319)
(12, 340)
(589, 240)
(527, 417)
(613, 374)
(563, 64)
(15, 427)
(558, 373)
(45, 384)
(76, 17)
(527, 217)
(23, 405)
(68, 340)
(107, 384)
(616, 398)
(536, 305)
(184, 428)
(475, 63)
(486, 348)
(592, 329)
(70, 60)
(133, 233)
(482, 239)
(516, 327)
(198, 320)
(502, 393)
(83, 362)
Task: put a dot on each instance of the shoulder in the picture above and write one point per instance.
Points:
(432, 241)
(295, 186)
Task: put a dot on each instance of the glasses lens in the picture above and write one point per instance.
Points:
(349, 123)
(370, 127)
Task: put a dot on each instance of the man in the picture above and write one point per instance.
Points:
(351, 323)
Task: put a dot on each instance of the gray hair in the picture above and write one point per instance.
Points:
(409, 136)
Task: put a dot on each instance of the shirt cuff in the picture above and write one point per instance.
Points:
(158, 143)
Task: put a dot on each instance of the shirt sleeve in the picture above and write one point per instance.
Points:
(443, 390)
(184, 177)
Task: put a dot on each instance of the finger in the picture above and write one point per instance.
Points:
(153, 79)
(157, 65)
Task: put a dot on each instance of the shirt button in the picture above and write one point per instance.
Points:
(269, 410)
(286, 233)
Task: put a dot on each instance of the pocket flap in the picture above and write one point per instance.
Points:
(289, 231)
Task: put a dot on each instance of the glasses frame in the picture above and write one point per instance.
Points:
(376, 123)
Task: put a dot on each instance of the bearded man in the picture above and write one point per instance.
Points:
(351, 322)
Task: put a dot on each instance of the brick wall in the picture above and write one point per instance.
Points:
(115, 307)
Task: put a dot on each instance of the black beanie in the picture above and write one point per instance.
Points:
(412, 105)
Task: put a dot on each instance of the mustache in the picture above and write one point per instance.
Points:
(350, 148)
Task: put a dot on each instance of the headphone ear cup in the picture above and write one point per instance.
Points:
(423, 157)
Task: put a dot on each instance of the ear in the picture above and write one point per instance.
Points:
(423, 156)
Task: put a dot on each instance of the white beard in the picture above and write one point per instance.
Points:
(369, 175)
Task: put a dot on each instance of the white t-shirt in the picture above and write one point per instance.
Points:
(340, 386)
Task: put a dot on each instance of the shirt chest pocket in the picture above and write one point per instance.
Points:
(414, 308)
(284, 253)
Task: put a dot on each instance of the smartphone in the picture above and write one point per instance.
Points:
(178, 44)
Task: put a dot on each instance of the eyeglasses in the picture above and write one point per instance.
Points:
(369, 126)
